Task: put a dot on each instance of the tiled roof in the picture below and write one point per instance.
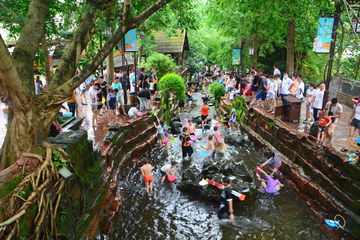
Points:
(173, 44)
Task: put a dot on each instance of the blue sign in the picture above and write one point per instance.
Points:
(236, 56)
(131, 45)
(322, 42)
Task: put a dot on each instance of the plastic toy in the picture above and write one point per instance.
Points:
(233, 192)
(203, 154)
(335, 223)
(193, 137)
(171, 178)
(69, 114)
(349, 160)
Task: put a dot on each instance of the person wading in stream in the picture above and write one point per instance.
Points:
(166, 170)
(147, 176)
(274, 161)
(226, 203)
(191, 128)
(186, 147)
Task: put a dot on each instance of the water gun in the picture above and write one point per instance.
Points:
(153, 112)
(349, 160)
(233, 192)
(200, 144)
(261, 166)
(210, 107)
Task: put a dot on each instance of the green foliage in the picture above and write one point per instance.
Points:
(218, 90)
(59, 160)
(240, 107)
(173, 83)
(162, 63)
(10, 186)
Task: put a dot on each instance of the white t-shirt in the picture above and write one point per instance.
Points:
(132, 111)
(285, 85)
(105, 75)
(83, 86)
(335, 110)
(357, 112)
(310, 95)
(5, 115)
(43, 80)
(166, 168)
(92, 94)
(277, 72)
(273, 87)
(319, 96)
(300, 91)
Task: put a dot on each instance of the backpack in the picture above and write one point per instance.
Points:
(305, 89)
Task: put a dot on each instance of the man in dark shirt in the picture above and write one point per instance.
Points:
(141, 78)
(144, 97)
(262, 91)
(254, 85)
(226, 202)
(204, 99)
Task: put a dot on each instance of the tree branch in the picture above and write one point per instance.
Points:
(11, 20)
(10, 82)
(126, 14)
(69, 86)
(8, 9)
(148, 12)
(47, 61)
(28, 43)
(84, 32)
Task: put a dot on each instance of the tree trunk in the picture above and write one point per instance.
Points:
(255, 43)
(27, 130)
(110, 67)
(290, 47)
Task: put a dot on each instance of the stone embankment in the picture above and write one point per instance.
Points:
(325, 183)
(92, 199)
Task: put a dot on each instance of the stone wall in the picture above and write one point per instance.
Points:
(93, 198)
(326, 184)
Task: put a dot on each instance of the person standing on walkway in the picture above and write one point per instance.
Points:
(94, 102)
(82, 93)
(144, 97)
(38, 85)
(285, 85)
(4, 111)
(262, 92)
(276, 70)
(335, 110)
(117, 85)
(226, 203)
(255, 85)
(72, 104)
(309, 97)
(317, 101)
(354, 123)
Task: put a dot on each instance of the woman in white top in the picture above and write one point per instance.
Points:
(354, 123)
(309, 97)
(214, 122)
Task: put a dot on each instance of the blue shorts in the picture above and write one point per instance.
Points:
(272, 192)
(212, 154)
(260, 95)
(272, 96)
(229, 90)
(83, 91)
(112, 106)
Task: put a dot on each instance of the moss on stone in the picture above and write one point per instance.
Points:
(25, 227)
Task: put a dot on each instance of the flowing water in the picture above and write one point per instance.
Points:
(172, 214)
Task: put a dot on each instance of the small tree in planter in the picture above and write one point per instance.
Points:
(170, 83)
(162, 63)
(218, 90)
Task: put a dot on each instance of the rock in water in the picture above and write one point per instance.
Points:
(175, 127)
(190, 180)
(314, 129)
(234, 137)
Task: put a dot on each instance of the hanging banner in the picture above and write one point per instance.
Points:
(323, 40)
(131, 45)
(236, 56)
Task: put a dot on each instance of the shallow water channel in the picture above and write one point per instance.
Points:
(172, 214)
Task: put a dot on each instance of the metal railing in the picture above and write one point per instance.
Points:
(349, 87)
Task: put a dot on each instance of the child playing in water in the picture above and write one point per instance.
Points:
(186, 147)
(166, 137)
(219, 142)
(274, 161)
(166, 170)
(189, 94)
(160, 131)
(204, 113)
(324, 122)
(214, 123)
(191, 128)
(133, 111)
(273, 184)
(232, 120)
(212, 148)
(226, 203)
(147, 176)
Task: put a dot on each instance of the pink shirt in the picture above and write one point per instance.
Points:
(217, 136)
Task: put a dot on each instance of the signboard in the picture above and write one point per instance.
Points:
(266, 127)
(323, 40)
(131, 45)
(355, 24)
(236, 56)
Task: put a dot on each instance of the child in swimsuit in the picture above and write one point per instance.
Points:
(233, 119)
(166, 137)
(147, 176)
(212, 148)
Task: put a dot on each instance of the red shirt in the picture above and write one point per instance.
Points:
(204, 110)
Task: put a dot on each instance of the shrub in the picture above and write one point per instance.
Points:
(173, 83)
(218, 90)
(162, 63)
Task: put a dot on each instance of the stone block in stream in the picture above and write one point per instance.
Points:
(239, 169)
(234, 137)
(175, 127)
(190, 180)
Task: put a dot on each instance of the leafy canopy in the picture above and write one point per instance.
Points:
(162, 63)
(173, 83)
